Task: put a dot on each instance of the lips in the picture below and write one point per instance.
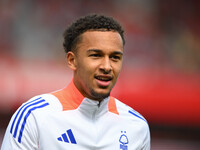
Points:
(103, 80)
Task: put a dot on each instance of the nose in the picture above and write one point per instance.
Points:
(105, 66)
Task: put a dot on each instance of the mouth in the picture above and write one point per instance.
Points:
(103, 81)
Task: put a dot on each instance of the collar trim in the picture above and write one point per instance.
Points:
(112, 107)
(69, 97)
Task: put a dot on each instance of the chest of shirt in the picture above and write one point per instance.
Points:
(75, 130)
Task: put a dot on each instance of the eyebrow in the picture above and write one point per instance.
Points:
(99, 51)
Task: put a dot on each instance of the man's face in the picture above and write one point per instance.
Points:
(97, 63)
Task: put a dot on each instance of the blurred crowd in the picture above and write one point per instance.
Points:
(158, 33)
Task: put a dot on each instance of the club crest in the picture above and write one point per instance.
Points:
(123, 141)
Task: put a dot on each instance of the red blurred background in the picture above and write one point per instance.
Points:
(161, 70)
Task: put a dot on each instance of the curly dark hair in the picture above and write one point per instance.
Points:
(90, 22)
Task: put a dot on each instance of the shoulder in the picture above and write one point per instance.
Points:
(30, 111)
(42, 102)
(129, 113)
(135, 120)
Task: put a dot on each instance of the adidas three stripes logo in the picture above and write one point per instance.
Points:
(20, 119)
(67, 137)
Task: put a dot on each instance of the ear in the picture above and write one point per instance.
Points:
(71, 60)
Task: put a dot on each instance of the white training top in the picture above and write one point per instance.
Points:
(67, 120)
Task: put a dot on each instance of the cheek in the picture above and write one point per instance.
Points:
(90, 65)
(117, 69)
(86, 69)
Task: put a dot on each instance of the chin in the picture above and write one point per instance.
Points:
(99, 95)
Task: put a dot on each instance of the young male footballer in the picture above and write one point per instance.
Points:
(83, 115)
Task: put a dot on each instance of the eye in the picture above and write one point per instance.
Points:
(95, 55)
(115, 57)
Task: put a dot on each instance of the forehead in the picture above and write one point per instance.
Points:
(102, 40)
